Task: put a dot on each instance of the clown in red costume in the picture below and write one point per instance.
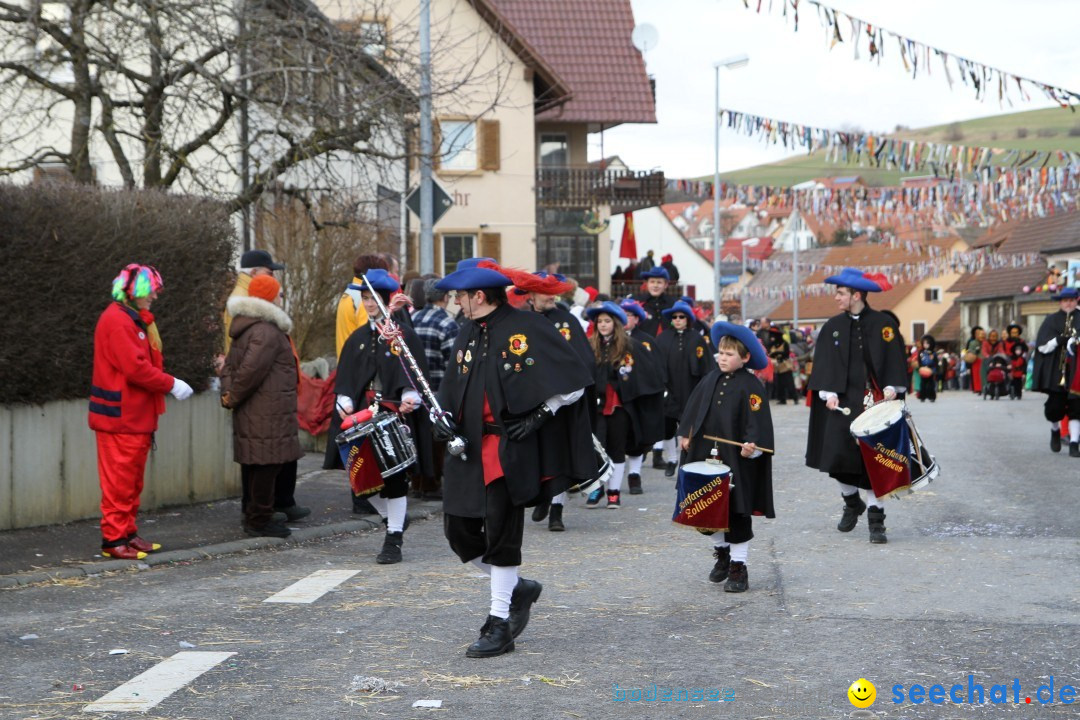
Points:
(126, 396)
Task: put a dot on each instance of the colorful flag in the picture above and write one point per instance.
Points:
(628, 246)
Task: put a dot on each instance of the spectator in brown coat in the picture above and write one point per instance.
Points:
(259, 384)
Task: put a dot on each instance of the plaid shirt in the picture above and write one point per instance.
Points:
(437, 330)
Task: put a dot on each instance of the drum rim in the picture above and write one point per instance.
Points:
(720, 469)
(893, 419)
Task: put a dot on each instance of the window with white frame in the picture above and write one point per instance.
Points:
(455, 249)
(373, 37)
(553, 150)
(932, 295)
(457, 150)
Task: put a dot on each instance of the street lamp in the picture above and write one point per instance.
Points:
(732, 63)
(749, 242)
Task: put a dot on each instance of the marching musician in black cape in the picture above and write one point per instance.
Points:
(629, 399)
(859, 358)
(544, 289)
(635, 315)
(654, 300)
(730, 403)
(370, 365)
(1055, 369)
(685, 357)
(515, 390)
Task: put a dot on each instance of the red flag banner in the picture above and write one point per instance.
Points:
(628, 246)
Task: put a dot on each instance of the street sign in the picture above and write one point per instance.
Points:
(728, 279)
(440, 202)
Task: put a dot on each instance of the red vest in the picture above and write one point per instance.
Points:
(128, 389)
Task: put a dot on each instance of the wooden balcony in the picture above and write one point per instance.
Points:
(621, 190)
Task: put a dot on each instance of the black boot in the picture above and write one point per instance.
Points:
(1074, 449)
(876, 519)
(361, 506)
(853, 508)
(391, 549)
(495, 639)
(555, 523)
(658, 460)
(526, 592)
(738, 579)
(669, 471)
(1055, 441)
(540, 511)
(720, 569)
(634, 480)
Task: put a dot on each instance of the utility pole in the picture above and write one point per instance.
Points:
(427, 243)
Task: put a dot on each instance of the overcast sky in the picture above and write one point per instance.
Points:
(795, 77)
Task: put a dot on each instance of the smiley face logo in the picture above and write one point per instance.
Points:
(862, 693)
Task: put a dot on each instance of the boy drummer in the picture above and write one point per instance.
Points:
(730, 402)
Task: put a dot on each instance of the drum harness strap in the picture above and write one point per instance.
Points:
(871, 376)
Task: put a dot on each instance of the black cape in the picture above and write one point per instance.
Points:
(840, 367)
(1046, 376)
(733, 406)
(654, 306)
(365, 356)
(641, 392)
(518, 360)
(570, 328)
(685, 358)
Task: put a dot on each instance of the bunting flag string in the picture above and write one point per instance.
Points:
(879, 150)
(984, 79)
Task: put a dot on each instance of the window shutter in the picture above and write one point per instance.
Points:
(928, 295)
(489, 145)
(436, 144)
(437, 258)
(491, 246)
(414, 149)
(414, 251)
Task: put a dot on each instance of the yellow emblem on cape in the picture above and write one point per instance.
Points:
(628, 359)
(887, 334)
(394, 349)
(565, 333)
(468, 356)
(700, 351)
(647, 346)
(518, 344)
(755, 402)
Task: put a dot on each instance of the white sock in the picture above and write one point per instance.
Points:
(633, 464)
(718, 541)
(1074, 430)
(873, 500)
(484, 567)
(559, 499)
(846, 489)
(395, 514)
(379, 503)
(503, 582)
(659, 445)
(669, 450)
(617, 470)
(1056, 426)
(739, 551)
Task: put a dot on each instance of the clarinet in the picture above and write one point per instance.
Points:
(1069, 333)
(457, 445)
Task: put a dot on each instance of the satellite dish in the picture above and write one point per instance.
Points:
(645, 37)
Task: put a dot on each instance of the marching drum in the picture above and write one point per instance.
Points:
(383, 441)
(703, 496)
(893, 452)
(602, 476)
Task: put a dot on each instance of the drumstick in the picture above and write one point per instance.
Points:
(732, 442)
(843, 410)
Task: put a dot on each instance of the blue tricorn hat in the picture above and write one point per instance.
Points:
(688, 300)
(1066, 294)
(607, 308)
(679, 306)
(656, 272)
(470, 276)
(758, 359)
(634, 307)
(381, 280)
(853, 278)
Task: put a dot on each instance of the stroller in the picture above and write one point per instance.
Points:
(997, 377)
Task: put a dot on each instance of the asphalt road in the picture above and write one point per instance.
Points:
(979, 578)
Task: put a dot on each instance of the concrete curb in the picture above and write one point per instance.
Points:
(207, 552)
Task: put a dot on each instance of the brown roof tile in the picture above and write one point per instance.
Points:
(1005, 282)
(947, 328)
(588, 44)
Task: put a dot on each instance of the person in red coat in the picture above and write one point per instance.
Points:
(126, 396)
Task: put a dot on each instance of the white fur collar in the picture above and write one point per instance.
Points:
(260, 309)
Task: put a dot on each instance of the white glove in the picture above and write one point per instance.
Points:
(344, 405)
(1070, 346)
(1049, 346)
(181, 390)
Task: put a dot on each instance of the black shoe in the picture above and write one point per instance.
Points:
(495, 639)
(526, 592)
(555, 523)
(391, 549)
(1074, 449)
(720, 569)
(294, 513)
(540, 511)
(634, 480)
(1055, 441)
(853, 508)
(669, 471)
(738, 579)
(273, 528)
(876, 519)
(657, 460)
(361, 506)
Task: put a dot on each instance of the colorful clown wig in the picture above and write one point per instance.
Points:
(136, 281)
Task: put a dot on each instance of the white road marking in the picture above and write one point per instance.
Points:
(159, 682)
(313, 587)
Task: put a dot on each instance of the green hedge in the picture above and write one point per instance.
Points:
(60, 248)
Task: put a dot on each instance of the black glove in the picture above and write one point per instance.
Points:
(520, 428)
(444, 429)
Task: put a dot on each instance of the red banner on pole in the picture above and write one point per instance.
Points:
(628, 246)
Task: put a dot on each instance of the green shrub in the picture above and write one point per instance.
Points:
(60, 248)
